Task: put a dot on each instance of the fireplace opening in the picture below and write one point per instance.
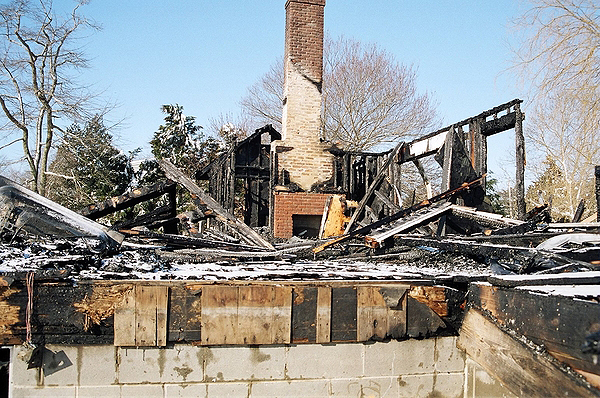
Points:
(306, 226)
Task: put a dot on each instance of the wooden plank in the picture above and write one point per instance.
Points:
(162, 302)
(343, 314)
(145, 316)
(281, 332)
(124, 323)
(520, 369)
(421, 321)
(255, 313)
(304, 313)
(395, 299)
(323, 314)
(371, 313)
(219, 315)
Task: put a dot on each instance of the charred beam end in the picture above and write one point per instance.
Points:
(499, 125)
(135, 196)
(598, 193)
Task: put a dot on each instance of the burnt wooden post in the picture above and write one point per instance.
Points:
(598, 193)
(520, 163)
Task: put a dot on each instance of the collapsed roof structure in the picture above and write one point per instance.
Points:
(441, 297)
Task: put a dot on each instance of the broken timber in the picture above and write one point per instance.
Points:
(246, 233)
(522, 370)
(398, 215)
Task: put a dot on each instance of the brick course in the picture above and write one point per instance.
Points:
(287, 204)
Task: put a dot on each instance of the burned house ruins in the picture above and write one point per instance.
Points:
(391, 295)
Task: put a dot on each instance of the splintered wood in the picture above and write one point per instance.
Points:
(246, 314)
(141, 317)
(522, 370)
(381, 312)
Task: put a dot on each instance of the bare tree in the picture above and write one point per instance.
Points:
(559, 50)
(562, 129)
(368, 97)
(38, 64)
(559, 59)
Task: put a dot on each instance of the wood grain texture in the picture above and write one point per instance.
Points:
(520, 369)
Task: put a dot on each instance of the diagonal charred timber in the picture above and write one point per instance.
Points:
(522, 370)
(557, 320)
(372, 188)
(403, 213)
(202, 198)
(407, 224)
(129, 199)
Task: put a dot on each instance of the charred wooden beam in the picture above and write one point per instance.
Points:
(431, 143)
(23, 209)
(597, 171)
(519, 163)
(398, 215)
(377, 237)
(495, 126)
(129, 199)
(223, 215)
(558, 322)
(522, 370)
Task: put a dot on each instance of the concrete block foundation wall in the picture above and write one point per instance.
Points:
(288, 204)
(411, 368)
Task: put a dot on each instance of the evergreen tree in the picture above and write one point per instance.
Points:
(87, 167)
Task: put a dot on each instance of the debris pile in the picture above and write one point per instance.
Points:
(434, 239)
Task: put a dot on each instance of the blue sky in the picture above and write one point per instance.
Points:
(205, 54)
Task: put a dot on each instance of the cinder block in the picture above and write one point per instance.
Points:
(138, 365)
(291, 388)
(142, 391)
(60, 365)
(315, 361)
(98, 365)
(206, 390)
(183, 363)
(413, 356)
(245, 363)
(99, 391)
(365, 387)
(448, 385)
(19, 374)
(448, 358)
(43, 392)
(395, 358)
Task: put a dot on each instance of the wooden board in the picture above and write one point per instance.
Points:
(125, 320)
(246, 314)
(343, 314)
(184, 314)
(522, 370)
(141, 317)
(304, 313)
(323, 324)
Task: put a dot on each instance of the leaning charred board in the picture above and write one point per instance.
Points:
(156, 313)
(559, 322)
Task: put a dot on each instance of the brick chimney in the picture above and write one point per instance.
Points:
(301, 158)
(306, 160)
